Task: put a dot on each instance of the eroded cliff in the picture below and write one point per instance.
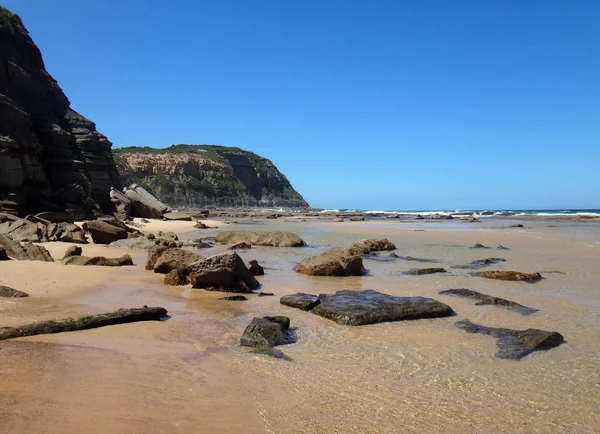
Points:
(51, 157)
(192, 176)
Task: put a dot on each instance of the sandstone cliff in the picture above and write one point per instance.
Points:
(51, 157)
(193, 176)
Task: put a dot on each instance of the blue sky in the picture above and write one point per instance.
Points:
(362, 104)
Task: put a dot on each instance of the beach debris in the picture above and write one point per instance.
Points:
(223, 272)
(241, 246)
(267, 332)
(333, 262)
(73, 251)
(98, 260)
(484, 299)
(479, 246)
(255, 268)
(515, 344)
(177, 215)
(367, 307)
(517, 276)
(175, 278)
(270, 239)
(234, 298)
(423, 271)
(121, 316)
(27, 251)
(265, 294)
(7, 292)
(362, 247)
(103, 232)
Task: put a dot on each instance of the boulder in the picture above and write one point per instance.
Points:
(357, 218)
(178, 215)
(175, 278)
(483, 299)
(240, 246)
(27, 251)
(423, 271)
(362, 247)
(480, 263)
(36, 252)
(6, 292)
(175, 259)
(143, 204)
(98, 260)
(271, 239)
(515, 344)
(265, 332)
(255, 268)
(333, 262)
(223, 272)
(122, 204)
(103, 232)
(73, 251)
(393, 255)
(301, 301)
(66, 232)
(370, 307)
(153, 255)
(516, 276)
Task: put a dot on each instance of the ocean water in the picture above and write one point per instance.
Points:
(504, 212)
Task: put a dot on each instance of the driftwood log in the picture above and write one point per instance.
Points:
(121, 316)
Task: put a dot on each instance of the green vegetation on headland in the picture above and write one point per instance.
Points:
(10, 20)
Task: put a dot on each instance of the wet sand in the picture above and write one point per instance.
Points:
(188, 374)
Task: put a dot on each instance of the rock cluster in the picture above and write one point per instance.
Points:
(270, 239)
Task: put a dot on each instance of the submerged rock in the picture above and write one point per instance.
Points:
(266, 332)
(7, 292)
(333, 262)
(223, 272)
(479, 246)
(301, 301)
(241, 246)
(515, 344)
(480, 263)
(271, 239)
(484, 299)
(175, 278)
(265, 294)
(516, 276)
(423, 271)
(255, 268)
(362, 247)
(371, 307)
(234, 298)
(98, 260)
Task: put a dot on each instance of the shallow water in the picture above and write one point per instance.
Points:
(189, 374)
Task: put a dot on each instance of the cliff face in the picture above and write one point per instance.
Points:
(51, 157)
(193, 176)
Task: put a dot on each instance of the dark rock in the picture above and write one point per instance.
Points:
(333, 262)
(502, 248)
(3, 255)
(224, 272)
(66, 232)
(234, 298)
(175, 259)
(300, 301)
(511, 275)
(271, 239)
(479, 246)
(240, 246)
(265, 332)
(121, 316)
(143, 204)
(484, 299)
(7, 292)
(255, 268)
(422, 271)
(480, 263)
(370, 307)
(393, 255)
(98, 260)
(515, 344)
(265, 294)
(73, 251)
(178, 215)
(175, 278)
(362, 247)
(357, 218)
(516, 225)
(103, 232)
(202, 245)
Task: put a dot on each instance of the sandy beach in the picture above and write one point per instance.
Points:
(189, 374)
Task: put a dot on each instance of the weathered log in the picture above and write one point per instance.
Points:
(121, 316)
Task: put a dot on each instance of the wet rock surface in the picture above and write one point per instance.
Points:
(241, 246)
(516, 276)
(7, 292)
(223, 272)
(270, 239)
(423, 271)
(515, 344)
(98, 260)
(484, 299)
(267, 332)
(255, 268)
(234, 298)
(480, 263)
(301, 301)
(364, 246)
(334, 262)
(178, 215)
(175, 278)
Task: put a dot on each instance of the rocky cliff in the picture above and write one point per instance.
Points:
(193, 176)
(51, 157)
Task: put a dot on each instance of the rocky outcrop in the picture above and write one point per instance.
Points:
(483, 299)
(333, 262)
(270, 239)
(516, 276)
(515, 344)
(224, 272)
(51, 157)
(27, 251)
(424, 271)
(193, 176)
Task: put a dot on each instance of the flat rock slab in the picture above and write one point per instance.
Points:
(480, 263)
(271, 239)
(371, 307)
(7, 292)
(301, 301)
(423, 271)
(178, 215)
(98, 260)
(515, 276)
(515, 344)
(484, 299)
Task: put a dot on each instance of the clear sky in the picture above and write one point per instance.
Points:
(362, 104)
